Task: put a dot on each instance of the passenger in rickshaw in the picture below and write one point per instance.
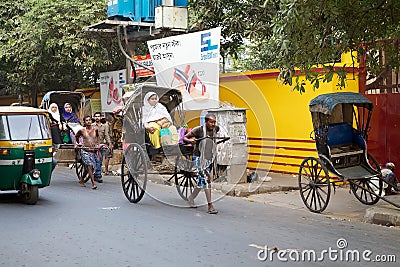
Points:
(55, 127)
(55, 123)
(204, 153)
(90, 141)
(69, 117)
(155, 117)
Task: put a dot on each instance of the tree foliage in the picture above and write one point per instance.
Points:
(290, 34)
(44, 48)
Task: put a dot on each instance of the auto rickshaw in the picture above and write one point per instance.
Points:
(25, 151)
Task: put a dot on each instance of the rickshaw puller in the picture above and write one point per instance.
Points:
(204, 178)
(90, 143)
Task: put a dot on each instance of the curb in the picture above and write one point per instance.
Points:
(386, 215)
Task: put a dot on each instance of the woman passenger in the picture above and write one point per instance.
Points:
(155, 117)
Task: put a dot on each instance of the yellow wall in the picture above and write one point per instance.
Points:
(279, 122)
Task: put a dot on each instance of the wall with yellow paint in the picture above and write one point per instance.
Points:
(279, 122)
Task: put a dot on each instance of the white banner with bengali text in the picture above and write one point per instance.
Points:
(190, 63)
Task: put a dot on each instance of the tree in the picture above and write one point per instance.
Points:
(290, 34)
(239, 20)
(48, 50)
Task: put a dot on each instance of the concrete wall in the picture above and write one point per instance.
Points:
(278, 119)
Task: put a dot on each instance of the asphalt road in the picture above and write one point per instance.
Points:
(74, 226)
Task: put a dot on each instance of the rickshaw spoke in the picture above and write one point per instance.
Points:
(320, 197)
(313, 199)
(364, 190)
(184, 182)
(309, 193)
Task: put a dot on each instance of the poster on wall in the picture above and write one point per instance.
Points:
(111, 89)
(190, 63)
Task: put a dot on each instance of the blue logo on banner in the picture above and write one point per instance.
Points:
(206, 42)
(207, 46)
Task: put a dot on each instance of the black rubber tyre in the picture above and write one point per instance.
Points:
(32, 195)
(314, 185)
(185, 177)
(81, 171)
(134, 173)
(363, 188)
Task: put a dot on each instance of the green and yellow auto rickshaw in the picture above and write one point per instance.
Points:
(25, 151)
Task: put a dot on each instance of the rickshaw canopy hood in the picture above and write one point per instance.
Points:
(325, 103)
(60, 97)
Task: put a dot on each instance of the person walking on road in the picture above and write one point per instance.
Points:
(204, 153)
(110, 151)
(104, 138)
(90, 141)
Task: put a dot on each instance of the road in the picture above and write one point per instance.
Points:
(74, 226)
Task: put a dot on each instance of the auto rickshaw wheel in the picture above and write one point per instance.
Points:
(134, 173)
(368, 190)
(185, 177)
(314, 184)
(31, 194)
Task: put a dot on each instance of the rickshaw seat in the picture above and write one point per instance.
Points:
(343, 140)
(340, 134)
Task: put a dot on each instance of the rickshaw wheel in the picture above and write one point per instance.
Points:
(81, 171)
(134, 173)
(314, 184)
(365, 195)
(31, 195)
(184, 174)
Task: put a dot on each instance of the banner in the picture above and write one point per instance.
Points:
(190, 63)
(111, 89)
(140, 71)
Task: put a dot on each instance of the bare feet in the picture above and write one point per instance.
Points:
(191, 202)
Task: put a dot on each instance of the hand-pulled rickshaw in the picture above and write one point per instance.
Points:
(25, 151)
(80, 108)
(341, 122)
(137, 148)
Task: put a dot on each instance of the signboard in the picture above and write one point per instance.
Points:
(111, 89)
(140, 71)
(95, 105)
(190, 63)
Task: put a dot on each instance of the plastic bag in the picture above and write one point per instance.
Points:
(65, 137)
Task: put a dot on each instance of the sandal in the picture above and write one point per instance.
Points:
(212, 211)
(94, 187)
(108, 173)
(82, 184)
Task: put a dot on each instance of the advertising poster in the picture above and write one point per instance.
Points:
(190, 63)
(140, 71)
(111, 89)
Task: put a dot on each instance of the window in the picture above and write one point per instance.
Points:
(4, 135)
(28, 127)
